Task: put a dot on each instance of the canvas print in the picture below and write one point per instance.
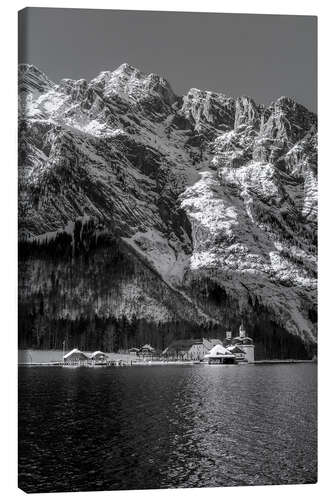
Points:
(167, 284)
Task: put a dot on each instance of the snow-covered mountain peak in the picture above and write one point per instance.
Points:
(32, 80)
(127, 68)
(167, 210)
(130, 83)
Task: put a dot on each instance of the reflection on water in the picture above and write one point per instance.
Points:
(166, 426)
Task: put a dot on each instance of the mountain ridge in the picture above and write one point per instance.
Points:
(216, 195)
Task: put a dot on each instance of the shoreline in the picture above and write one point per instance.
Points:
(53, 357)
(121, 363)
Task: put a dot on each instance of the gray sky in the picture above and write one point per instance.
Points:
(262, 56)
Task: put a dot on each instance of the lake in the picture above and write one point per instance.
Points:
(123, 428)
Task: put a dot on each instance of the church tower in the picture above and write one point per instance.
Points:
(245, 343)
(242, 332)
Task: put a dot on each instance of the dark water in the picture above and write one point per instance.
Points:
(162, 427)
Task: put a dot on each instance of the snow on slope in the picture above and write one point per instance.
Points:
(204, 185)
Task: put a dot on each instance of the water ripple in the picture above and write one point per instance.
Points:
(169, 426)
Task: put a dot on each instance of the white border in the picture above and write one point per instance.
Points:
(8, 273)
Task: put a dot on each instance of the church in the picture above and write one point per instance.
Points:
(242, 342)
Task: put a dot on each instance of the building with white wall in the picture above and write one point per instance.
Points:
(190, 349)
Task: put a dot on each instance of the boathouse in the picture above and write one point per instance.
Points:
(134, 351)
(147, 350)
(219, 355)
(238, 352)
(99, 357)
(76, 357)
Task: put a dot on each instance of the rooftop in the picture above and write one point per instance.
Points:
(147, 347)
(183, 344)
(75, 351)
(218, 351)
(96, 353)
(242, 340)
(235, 349)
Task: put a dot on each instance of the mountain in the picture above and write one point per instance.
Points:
(145, 216)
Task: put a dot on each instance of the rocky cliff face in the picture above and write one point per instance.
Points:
(144, 216)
